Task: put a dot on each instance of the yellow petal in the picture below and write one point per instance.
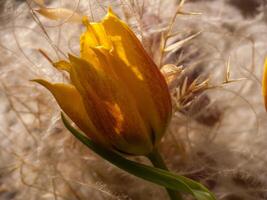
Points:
(264, 84)
(111, 108)
(60, 14)
(71, 103)
(95, 36)
(62, 65)
(115, 67)
(149, 86)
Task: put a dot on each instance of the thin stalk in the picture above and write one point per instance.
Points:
(158, 162)
(153, 174)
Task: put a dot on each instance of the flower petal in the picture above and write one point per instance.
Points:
(62, 65)
(95, 36)
(71, 103)
(150, 90)
(111, 107)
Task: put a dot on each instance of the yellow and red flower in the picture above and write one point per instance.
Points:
(117, 95)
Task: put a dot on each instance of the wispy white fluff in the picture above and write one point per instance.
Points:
(40, 160)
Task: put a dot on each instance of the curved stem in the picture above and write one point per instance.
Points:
(153, 174)
(158, 162)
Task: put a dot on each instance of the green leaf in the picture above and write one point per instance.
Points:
(152, 174)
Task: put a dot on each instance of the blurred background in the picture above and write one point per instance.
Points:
(214, 54)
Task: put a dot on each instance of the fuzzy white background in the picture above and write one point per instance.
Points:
(221, 141)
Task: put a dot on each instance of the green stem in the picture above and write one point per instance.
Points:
(158, 162)
(153, 174)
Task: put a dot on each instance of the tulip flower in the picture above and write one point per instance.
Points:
(117, 95)
(120, 100)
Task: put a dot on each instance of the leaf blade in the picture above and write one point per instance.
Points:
(152, 174)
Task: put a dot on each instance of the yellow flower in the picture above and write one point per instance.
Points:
(264, 84)
(117, 95)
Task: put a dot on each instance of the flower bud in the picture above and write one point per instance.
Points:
(117, 95)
